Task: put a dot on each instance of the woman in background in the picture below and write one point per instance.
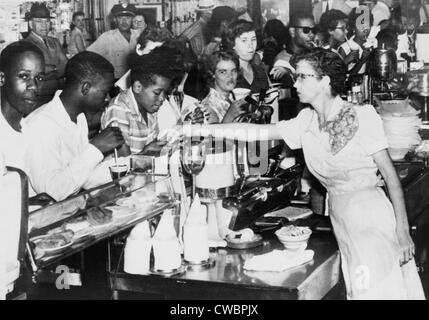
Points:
(356, 49)
(333, 24)
(241, 38)
(222, 73)
(274, 40)
(78, 42)
(151, 38)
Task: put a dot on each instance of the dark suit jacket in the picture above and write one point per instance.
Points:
(55, 65)
(52, 52)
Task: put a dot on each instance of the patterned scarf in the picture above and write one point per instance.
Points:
(342, 128)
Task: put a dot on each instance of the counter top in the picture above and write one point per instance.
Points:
(228, 280)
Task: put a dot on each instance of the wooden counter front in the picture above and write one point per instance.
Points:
(228, 280)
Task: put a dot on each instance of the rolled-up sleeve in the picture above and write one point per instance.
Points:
(371, 134)
(291, 130)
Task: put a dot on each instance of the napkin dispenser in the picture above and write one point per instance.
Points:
(260, 195)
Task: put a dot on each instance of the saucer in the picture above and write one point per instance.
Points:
(203, 265)
(170, 273)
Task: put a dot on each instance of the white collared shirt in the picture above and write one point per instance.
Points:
(114, 47)
(12, 144)
(60, 158)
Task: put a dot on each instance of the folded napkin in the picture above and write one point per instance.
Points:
(278, 260)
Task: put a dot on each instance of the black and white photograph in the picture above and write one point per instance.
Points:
(231, 151)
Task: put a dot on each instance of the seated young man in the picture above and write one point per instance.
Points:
(134, 111)
(60, 158)
(21, 72)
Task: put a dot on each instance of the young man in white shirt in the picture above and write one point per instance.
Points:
(61, 160)
(21, 71)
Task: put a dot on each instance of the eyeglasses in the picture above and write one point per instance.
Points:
(306, 30)
(304, 76)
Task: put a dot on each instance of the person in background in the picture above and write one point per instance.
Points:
(179, 106)
(387, 38)
(407, 33)
(240, 37)
(423, 11)
(320, 7)
(22, 68)
(151, 38)
(334, 24)
(302, 31)
(78, 42)
(357, 48)
(274, 41)
(220, 19)
(195, 32)
(139, 21)
(55, 58)
(134, 111)
(345, 146)
(116, 45)
(60, 158)
(222, 68)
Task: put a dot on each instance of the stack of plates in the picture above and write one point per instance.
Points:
(401, 131)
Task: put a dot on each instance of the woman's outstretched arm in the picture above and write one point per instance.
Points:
(235, 131)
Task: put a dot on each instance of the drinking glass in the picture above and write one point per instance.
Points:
(193, 156)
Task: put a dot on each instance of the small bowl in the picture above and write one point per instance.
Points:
(294, 242)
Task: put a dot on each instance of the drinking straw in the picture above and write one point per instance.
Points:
(116, 157)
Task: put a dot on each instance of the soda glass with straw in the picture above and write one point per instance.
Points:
(193, 156)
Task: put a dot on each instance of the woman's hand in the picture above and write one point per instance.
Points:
(353, 56)
(235, 109)
(196, 116)
(406, 245)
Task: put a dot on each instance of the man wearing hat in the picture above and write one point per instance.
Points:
(55, 58)
(195, 32)
(116, 45)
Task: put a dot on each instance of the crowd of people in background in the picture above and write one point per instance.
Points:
(62, 116)
(161, 80)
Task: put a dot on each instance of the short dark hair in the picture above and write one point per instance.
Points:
(140, 12)
(276, 29)
(86, 65)
(211, 61)
(13, 51)
(325, 63)
(297, 18)
(78, 14)
(234, 31)
(162, 61)
(154, 33)
(389, 38)
(329, 20)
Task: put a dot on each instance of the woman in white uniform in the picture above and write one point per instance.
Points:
(344, 146)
